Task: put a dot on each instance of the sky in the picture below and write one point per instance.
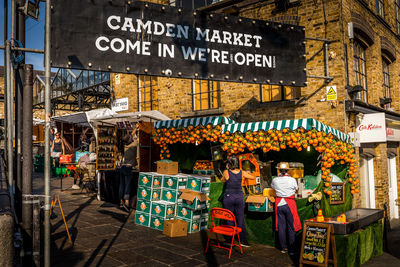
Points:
(34, 35)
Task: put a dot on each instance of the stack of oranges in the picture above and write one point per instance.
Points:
(333, 151)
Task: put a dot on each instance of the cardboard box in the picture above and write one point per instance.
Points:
(163, 209)
(157, 223)
(186, 213)
(157, 181)
(199, 183)
(193, 199)
(145, 179)
(170, 195)
(259, 204)
(175, 182)
(175, 228)
(143, 205)
(142, 218)
(167, 167)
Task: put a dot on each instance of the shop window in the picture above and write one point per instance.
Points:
(380, 8)
(271, 93)
(147, 93)
(397, 15)
(192, 4)
(205, 94)
(360, 69)
(386, 80)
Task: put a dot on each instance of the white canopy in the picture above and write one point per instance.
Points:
(148, 116)
(93, 118)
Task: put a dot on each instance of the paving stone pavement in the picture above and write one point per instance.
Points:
(103, 235)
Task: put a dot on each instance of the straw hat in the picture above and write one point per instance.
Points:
(283, 165)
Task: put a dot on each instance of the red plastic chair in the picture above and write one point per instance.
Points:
(228, 230)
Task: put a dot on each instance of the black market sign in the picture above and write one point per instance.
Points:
(316, 244)
(338, 193)
(150, 39)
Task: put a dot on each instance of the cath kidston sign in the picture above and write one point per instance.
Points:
(150, 39)
(372, 128)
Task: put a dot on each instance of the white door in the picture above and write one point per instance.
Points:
(367, 181)
(393, 195)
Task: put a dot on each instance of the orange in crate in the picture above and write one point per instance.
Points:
(203, 165)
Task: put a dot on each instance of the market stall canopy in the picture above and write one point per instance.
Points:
(148, 116)
(218, 120)
(307, 124)
(83, 118)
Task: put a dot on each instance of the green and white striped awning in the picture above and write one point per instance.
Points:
(290, 124)
(219, 120)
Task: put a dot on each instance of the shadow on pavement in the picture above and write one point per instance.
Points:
(112, 242)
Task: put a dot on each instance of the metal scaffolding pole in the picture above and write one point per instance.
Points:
(27, 164)
(5, 70)
(19, 87)
(47, 107)
(10, 124)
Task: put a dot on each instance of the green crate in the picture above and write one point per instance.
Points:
(143, 205)
(170, 195)
(186, 213)
(142, 218)
(157, 223)
(144, 193)
(193, 225)
(163, 209)
(157, 180)
(195, 205)
(175, 182)
(267, 206)
(199, 183)
(204, 172)
(148, 193)
(145, 179)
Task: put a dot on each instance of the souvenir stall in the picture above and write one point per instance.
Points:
(321, 158)
(110, 131)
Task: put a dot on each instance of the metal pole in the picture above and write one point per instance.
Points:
(30, 50)
(27, 118)
(10, 169)
(47, 107)
(19, 78)
(12, 22)
(5, 69)
(36, 231)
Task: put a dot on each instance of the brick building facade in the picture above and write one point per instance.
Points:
(363, 37)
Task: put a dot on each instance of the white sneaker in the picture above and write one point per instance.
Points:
(75, 186)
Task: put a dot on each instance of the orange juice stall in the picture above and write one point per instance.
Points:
(320, 157)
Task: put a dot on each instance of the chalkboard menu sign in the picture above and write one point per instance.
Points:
(315, 244)
(338, 193)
